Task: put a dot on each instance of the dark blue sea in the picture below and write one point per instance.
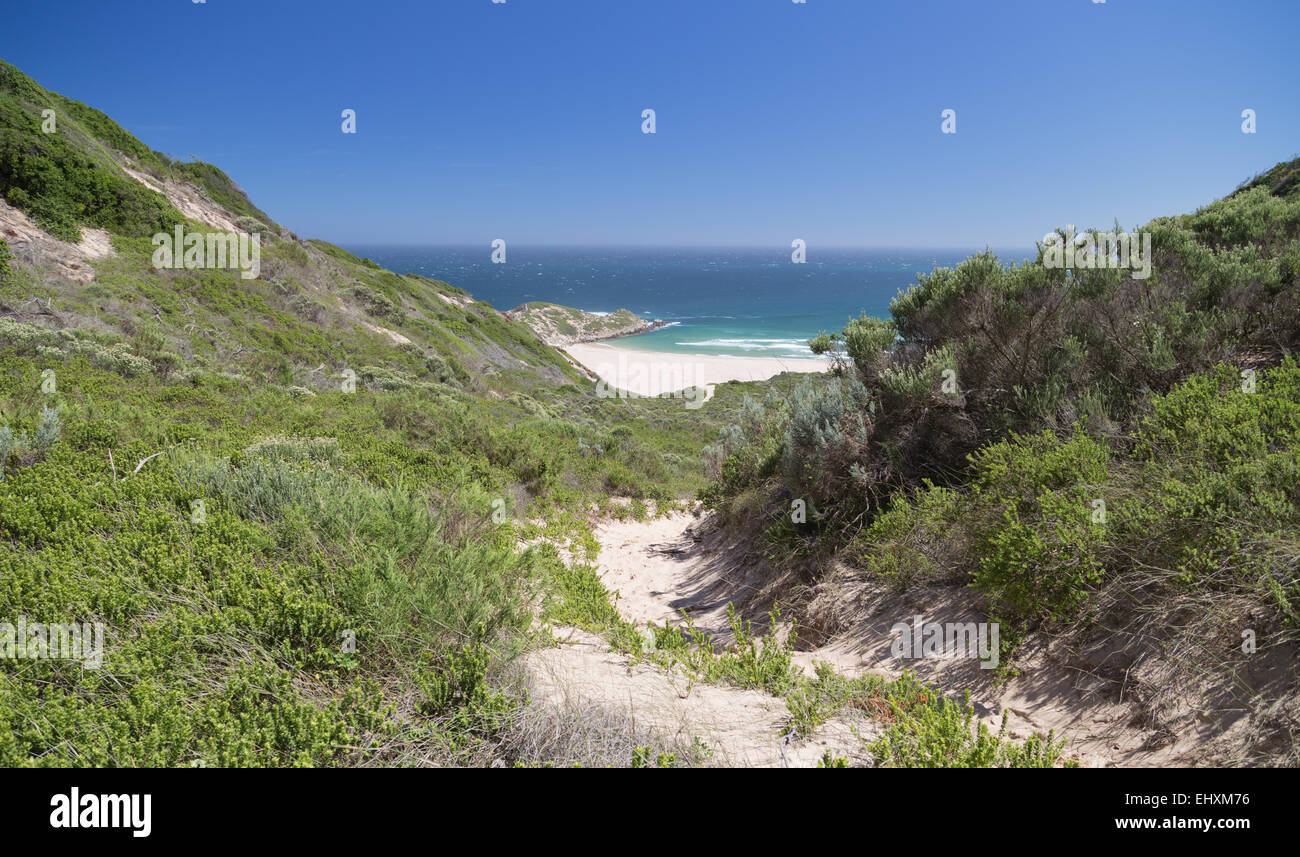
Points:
(744, 302)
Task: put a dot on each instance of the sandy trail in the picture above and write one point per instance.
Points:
(742, 728)
(655, 570)
(660, 568)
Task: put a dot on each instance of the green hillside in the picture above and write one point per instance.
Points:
(294, 502)
(1110, 462)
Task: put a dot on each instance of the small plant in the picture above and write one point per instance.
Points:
(6, 446)
(642, 758)
(927, 731)
(456, 690)
(250, 224)
(48, 429)
(830, 760)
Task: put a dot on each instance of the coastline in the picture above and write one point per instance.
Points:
(643, 372)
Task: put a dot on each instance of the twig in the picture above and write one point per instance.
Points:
(145, 461)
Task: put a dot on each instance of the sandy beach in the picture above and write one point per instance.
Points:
(652, 373)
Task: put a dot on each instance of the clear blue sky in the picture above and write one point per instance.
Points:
(776, 120)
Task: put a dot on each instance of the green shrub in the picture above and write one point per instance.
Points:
(7, 445)
(866, 339)
(917, 539)
(252, 226)
(323, 450)
(930, 733)
(1034, 348)
(913, 382)
(456, 689)
(747, 450)
(62, 189)
(6, 256)
(374, 303)
(827, 432)
(1039, 552)
(1216, 487)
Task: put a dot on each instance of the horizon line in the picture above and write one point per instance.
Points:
(619, 246)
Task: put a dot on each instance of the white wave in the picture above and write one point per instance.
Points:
(750, 344)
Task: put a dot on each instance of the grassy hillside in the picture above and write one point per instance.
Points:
(314, 311)
(75, 176)
(1106, 460)
(294, 502)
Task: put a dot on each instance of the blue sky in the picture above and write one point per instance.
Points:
(775, 120)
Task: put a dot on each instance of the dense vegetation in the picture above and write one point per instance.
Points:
(351, 592)
(1079, 445)
(343, 596)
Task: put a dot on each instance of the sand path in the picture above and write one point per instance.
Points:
(645, 565)
(740, 728)
(661, 567)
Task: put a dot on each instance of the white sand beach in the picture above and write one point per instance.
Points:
(652, 373)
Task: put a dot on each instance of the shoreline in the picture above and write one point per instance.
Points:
(652, 373)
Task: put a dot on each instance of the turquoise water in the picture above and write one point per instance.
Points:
(738, 302)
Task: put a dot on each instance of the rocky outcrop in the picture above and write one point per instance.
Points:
(560, 326)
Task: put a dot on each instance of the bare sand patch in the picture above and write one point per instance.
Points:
(189, 200)
(655, 571)
(395, 337)
(34, 245)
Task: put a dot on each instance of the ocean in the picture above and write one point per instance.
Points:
(728, 302)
